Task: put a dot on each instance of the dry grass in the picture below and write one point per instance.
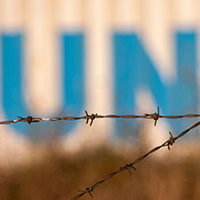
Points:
(59, 176)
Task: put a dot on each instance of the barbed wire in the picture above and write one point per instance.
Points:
(155, 116)
(91, 117)
(129, 166)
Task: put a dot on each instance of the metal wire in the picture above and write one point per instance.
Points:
(155, 116)
(128, 166)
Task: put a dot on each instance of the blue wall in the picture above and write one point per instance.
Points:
(133, 71)
(72, 59)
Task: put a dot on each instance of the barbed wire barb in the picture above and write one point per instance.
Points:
(127, 166)
(90, 117)
(155, 116)
(171, 140)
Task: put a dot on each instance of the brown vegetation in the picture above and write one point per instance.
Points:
(59, 176)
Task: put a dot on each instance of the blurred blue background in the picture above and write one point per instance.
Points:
(60, 58)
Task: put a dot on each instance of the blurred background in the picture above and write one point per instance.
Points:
(62, 57)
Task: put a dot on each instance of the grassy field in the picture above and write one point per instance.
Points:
(59, 176)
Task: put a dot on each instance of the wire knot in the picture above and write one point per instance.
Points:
(88, 190)
(171, 141)
(127, 166)
(28, 119)
(90, 117)
(155, 116)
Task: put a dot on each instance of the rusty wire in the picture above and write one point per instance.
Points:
(128, 166)
(155, 116)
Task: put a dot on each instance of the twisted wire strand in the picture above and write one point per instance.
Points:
(91, 117)
(129, 166)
